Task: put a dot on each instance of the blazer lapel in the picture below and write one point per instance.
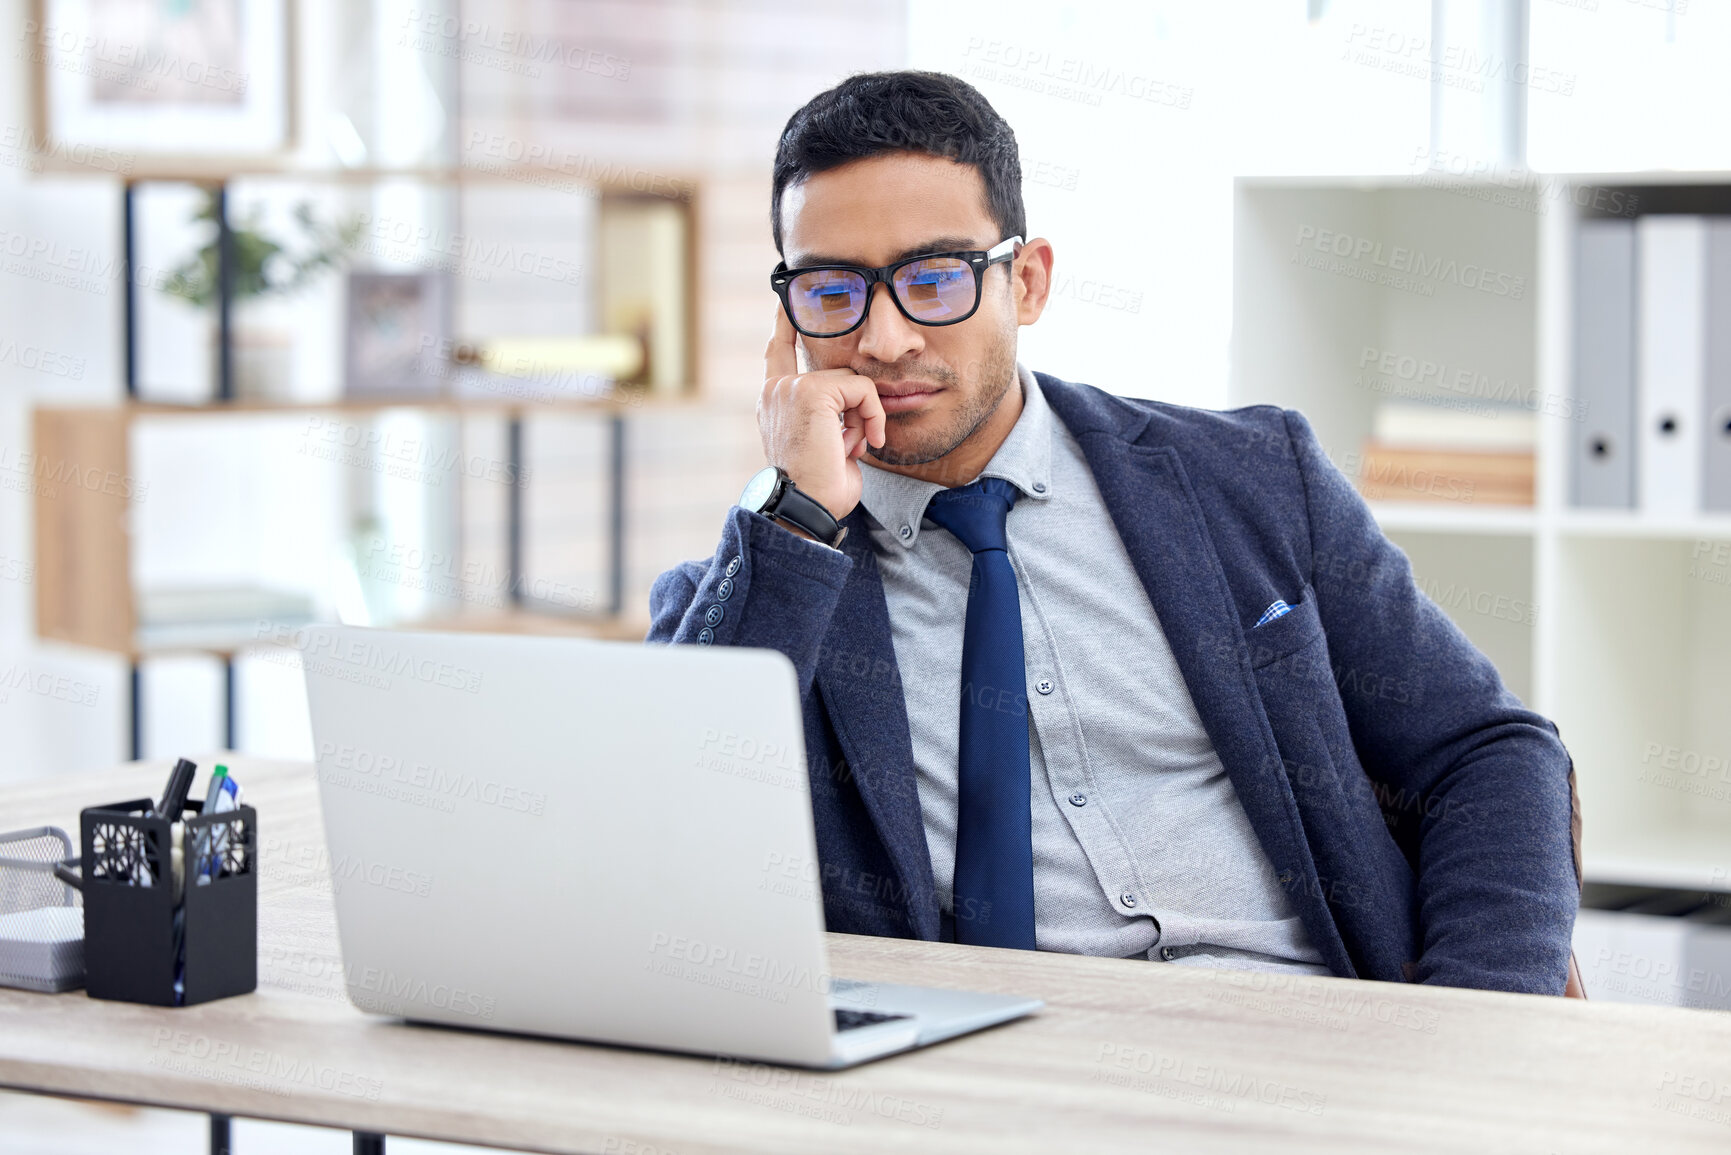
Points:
(1148, 495)
(861, 688)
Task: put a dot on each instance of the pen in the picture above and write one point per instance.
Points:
(174, 795)
(212, 796)
(173, 800)
(212, 791)
(223, 795)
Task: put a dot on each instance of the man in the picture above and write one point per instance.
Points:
(1091, 674)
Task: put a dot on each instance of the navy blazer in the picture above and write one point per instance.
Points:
(1422, 820)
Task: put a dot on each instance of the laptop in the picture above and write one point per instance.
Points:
(603, 841)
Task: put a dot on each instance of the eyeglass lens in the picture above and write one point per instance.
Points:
(933, 290)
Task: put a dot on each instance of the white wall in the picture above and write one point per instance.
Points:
(59, 241)
(1133, 116)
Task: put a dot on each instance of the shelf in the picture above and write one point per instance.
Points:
(1500, 179)
(618, 178)
(1618, 621)
(129, 410)
(211, 619)
(1685, 858)
(1634, 524)
(233, 639)
(1442, 517)
(619, 629)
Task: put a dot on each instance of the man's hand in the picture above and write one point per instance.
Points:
(817, 425)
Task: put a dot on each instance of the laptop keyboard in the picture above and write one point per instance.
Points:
(846, 1020)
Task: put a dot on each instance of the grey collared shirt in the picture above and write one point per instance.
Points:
(1141, 847)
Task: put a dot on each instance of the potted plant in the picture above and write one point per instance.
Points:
(265, 267)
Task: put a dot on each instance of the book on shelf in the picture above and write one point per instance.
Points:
(217, 617)
(1423, 452)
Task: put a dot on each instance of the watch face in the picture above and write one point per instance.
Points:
(760, 489)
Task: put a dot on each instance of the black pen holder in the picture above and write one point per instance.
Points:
(143, 929)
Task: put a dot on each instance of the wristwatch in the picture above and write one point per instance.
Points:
(772, 493)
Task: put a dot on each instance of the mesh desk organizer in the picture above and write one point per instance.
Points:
(165, 933)
(41, 921)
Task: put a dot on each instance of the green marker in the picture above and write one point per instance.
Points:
(212, 791)
(211, 794)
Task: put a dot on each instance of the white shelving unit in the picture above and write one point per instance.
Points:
(1614, 624)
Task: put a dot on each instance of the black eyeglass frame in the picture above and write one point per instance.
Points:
(979, 260)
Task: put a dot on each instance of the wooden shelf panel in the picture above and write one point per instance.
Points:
(229, 639)
(83, 492)
(618, 179)
(620, 629)
(130, 410)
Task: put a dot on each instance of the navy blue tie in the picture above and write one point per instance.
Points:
(994, 883)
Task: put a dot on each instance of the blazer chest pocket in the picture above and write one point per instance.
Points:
(1286, 635)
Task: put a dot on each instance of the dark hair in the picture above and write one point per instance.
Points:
(872, 113)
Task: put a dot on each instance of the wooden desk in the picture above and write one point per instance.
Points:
(1128, 1055)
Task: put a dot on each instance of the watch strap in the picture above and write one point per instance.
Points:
(795, 508)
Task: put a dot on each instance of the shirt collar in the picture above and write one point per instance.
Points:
(898, 503)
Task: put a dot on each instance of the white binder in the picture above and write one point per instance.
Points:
(1671, 299)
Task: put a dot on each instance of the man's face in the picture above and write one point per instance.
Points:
(938, 384)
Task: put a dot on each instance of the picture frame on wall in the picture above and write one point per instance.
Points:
(192, 79)
(396, 329)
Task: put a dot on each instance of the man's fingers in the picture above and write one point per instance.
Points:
(779, 359)
(877, 427)
(853, 434)
(852, 442)
(860, 395)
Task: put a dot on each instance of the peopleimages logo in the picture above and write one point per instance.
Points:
(219, 1060)
(384, 991)
(45, 474)
(477, 42)
(465, 254)
(78, 49)
(362, 660)
(1116, 1060)
(59, 687)
(718, 965)
(1407, 263)
(41, 360)
(358, 767)
(1426, 375)
(348, 868)
(21, 148)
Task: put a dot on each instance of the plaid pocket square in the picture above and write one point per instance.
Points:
(1277, 609)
